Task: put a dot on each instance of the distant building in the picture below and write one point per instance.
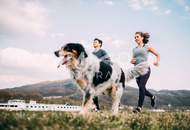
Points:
(52, 97)
(16, 104)
(157, 110)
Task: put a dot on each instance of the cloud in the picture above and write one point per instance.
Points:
(20, 16)
(135, 4)
(167, 12)
(19, 67)
(57, 35)
(16, 80)
(140, 4)
(181, 2)
(149, 2)
(187, 8)
(155, 8)
(184, 4)
(20, 58)
(109, 2)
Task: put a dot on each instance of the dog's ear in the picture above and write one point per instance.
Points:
(75, 53)
(85, 55)
(80, 50)
(75, 48)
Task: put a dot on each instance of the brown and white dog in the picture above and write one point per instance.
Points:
(94, 76)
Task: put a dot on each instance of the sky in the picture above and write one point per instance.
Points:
(31, 30)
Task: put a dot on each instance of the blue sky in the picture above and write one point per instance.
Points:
(30, 31)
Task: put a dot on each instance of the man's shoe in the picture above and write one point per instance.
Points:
(153, 98)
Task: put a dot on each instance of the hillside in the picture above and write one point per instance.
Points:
(66, 88)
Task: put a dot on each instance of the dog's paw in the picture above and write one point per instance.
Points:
(84, 111)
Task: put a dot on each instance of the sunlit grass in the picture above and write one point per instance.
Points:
(125, 120)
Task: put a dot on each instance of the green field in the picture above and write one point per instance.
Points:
(125, 120)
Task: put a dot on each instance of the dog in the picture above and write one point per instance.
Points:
(94, 76)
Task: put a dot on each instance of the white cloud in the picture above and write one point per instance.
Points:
(181, 2)
(185, 17)
(140, 4)
(109, 2)
(155, 8)
(20, 16)
(28, 67)
(16, 80)
(167, 12)
(20, 58)
(187, 8)
(184, 4)
(148, 2)
(135, 4)
(57, 35)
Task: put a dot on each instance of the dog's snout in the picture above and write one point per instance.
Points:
(56, 53)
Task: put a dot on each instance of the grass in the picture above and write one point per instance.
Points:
(125, 120)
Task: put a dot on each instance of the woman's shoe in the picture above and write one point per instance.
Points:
(153, 98)
(137, 110)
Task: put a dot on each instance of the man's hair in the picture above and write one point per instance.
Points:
(100, 41)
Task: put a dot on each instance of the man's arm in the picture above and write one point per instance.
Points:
(104, 56)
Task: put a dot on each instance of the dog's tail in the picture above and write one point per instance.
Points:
(136, 71)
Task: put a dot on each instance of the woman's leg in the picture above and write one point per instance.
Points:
(147, 93)
(152, 97)
(141, 82)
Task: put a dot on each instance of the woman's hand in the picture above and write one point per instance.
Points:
(133, 61)
(156, 63)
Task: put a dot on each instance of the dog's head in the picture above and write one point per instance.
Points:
(72, 54)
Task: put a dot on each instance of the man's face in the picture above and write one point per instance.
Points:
(96, 44)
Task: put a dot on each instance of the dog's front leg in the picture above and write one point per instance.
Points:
(89, 92)
(87, 101)
(116, 94)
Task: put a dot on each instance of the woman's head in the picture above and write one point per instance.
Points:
(141, 37)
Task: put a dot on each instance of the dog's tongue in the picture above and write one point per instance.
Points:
(64, 62)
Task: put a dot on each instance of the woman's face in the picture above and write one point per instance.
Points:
(138, 39)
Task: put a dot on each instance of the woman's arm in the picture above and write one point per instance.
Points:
(154, 52)
(133, 60)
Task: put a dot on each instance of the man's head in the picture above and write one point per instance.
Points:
(97, 43)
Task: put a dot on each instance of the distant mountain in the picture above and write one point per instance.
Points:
(48, 88)
(66, 88)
